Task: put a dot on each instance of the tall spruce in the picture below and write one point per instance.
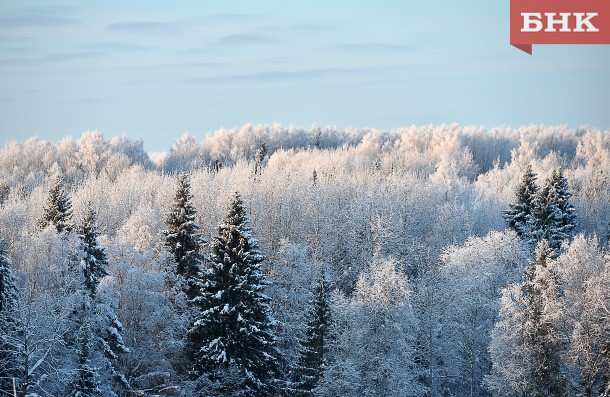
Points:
(106, 339)
(86, 383)
(543, 336)
(232, 342)
(57, 209)
(94, 259)
(519, 216)
(183, 238)
(528, 342)
(10, 351)
(554, 214)
(313, 347)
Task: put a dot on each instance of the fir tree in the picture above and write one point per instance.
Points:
(312, 349)
(564, 221)
(86, 384)
(233, 330)
(519, 216)
(94, 257)
(183, 238)
(58, 209)
(554, 215)
(528, 341)
(9, 325)
(106, 327)
(544, 339)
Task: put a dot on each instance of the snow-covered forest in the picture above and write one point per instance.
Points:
(279, 261)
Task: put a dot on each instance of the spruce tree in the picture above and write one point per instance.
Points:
(564, 221)
(233, 331)
(106, 328)
(58, 208)
(183, 238)
(94, 256)
(10, 366)
(554, 215)
(519, 216)
(542, 334)
(313, 348)
(86, 383)
(528, 342)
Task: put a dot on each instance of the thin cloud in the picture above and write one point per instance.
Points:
(232, 17)
(53, 57)
(112, 46)
(69, 56)
(33, 20)
(244, 39)
(313, 27)
(143, 27)
(275, 76)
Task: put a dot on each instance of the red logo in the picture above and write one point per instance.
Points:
(559, 22)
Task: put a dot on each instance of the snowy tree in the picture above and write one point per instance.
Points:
(554, 214)
(10, 349)
(519, 215)
(528, 341)
(313, 348)
(86, 381)
(585, 276)
(373, 353)
(259, 157)
(98, 310)
(58, 208)
(183, 238)
(473, 275)
(94, 259)
(233, 330)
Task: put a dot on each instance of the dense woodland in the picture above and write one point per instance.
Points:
(278, 261)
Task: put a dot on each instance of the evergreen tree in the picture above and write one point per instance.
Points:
(528, 342)
(86, 383)
(541, 291)
(183, 238)
(564, 221)
(519, 216)
(554, 214)
(9, 324)
(312, 349)
(58, 208)
(94, 257)
(95, 309)
(233, 330)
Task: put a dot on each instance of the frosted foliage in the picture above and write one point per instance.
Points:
(383, 286)
(374, 349)
(442, 317)
(473, 276)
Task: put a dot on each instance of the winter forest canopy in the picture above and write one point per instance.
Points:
(271, 260)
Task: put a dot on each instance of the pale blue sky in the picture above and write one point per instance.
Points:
(156, 69)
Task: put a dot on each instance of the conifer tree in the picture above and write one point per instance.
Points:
(183, 238)
(313, 348)
(564, 221)
(86, 384)
(58, 208)
(9, 324)
(94, 256)
(541, 291)
(554, 215)
(233, 331)
(519, 216)
(95, 309)
(528, 342)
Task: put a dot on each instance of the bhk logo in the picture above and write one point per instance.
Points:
(559, 22)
